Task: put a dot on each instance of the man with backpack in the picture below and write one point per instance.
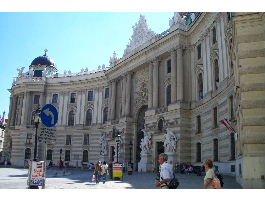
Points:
(166, 173)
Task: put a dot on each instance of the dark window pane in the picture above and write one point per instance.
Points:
(106, 93)
(68, 140)
(214, 35)
(86, 139)
(27, 153)
(67, 155)
(215, 116)
(71, 118)
(73, 97)
(90, 96)
(215, 150)
(105, 115)
(200, 86)
(85, 156)
(55, 98)
(88, 117)
(36, 99)
(199, 51)
(198, 156)
(198, 124)
(169, 66)
(49, 154)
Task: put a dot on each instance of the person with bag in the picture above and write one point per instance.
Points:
(166, 172)
(210, 180)
(97, 172)
(104, 171)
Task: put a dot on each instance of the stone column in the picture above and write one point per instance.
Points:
(65, 110)
(13, 115)
(220, 53)
(113, 100)
(155, 84)
(24, 110)
(100, 102)
(123, 95)
(83, 102)
(78, 109)
(128, 95)
(179, 75)
(10, 107)
(173, 76)
(60, 114)
(150, 88)
(95, 110)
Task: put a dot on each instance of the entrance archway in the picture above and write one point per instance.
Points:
(139, 133)
(159, 149)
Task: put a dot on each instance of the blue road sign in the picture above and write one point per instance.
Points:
(49, 115)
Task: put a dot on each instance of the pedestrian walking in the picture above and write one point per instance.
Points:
(210, 175)
(104, 171)
(166, 172)
(97, 172)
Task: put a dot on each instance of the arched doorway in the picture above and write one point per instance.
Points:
(139, 133)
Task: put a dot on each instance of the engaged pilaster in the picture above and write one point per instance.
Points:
(179, 74)
(128, 94)
(150, 87)
(155, 84)
(173, 76)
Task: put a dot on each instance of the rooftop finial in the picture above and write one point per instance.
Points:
(45, 50)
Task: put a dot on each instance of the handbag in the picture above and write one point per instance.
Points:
(173, 183)
(216, 183)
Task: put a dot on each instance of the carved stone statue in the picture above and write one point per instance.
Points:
(20, 71)
(44, 73)
(113, 59)
(170, 141)
(103, 145)
(141, 34)
(146, 144)
(177, 22)
(65, 73)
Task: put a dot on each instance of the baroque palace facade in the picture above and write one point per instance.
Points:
(168, 93)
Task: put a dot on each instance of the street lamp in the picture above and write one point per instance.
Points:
(130, 147)
(118, 139)
(36, 121)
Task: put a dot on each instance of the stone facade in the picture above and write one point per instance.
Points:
(181, 82)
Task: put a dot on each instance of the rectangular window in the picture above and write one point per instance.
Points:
(67, 155)
(231, 107)
(29, 138)
(106, 93)
(215, 150)
(86, 139)
(73, 97)
(233, 168)
(169, 66)
(90, 96)
(198, 124)
(68, 140)
(214, 35)
(215, 124)
(36, 99)
(199, 51)
(55, 98)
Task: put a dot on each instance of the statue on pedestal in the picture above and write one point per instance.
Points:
(146, 142)
(170, 141)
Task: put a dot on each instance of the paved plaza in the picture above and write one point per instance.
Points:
(16, 178)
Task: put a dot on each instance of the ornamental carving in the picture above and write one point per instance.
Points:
(141, 34)
(89, 106)
(142, 94)
(214, 54)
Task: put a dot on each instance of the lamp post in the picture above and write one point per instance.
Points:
(118, 137)
(36, 121)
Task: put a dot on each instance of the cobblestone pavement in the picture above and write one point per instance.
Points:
(13, 178)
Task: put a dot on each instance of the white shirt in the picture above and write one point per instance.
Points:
(166, 171)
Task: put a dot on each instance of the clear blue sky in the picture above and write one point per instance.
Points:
(74, 40)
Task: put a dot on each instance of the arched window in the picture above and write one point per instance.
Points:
(71, 118)
(168, 95)
(215, 150)
(85, 156)
(88, 117)
(105, 115)
(49, 154)
(198, 153)
(216, 74)
(200, 86)
(27, 153)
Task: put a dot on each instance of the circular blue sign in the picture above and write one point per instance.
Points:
(49, 115)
